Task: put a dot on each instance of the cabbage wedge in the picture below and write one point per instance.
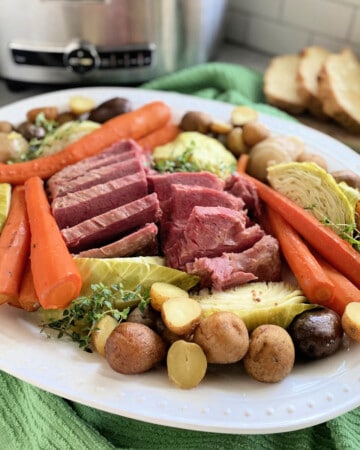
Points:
(258, 303)
(198, 151)
(315, 190)
(131, 272)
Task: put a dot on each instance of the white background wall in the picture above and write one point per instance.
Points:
(287, 26)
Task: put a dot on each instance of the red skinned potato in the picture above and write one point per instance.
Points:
(134, 348)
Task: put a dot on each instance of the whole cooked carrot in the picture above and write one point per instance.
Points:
(28, 298)
(242, 163)
(316, 285)
(161, 136)
(330, 246)
(344, 291)
(14, 247)
(56, 278)
(135, 125)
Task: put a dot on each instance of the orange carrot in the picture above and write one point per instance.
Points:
(134, 124)
(161, 136)
(330, 246)
(56, 278)
(28, 298)
(344, 290)
(242, 163)
(317, 287)
(14, 247)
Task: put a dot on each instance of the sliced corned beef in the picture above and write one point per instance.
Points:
(211, 231)
(101, 175)
(239, 186)
(120, 151)
(160, 183)
(112, 224)
(261, 262)
(183, 198)
(141, 242)
(75, 207)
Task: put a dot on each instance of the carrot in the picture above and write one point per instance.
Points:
(28, 298)
(134, 124)
(330, 246)
(56, 278)
(344, 290)
(242, 163)
(14, 247)
(316, 285)
(161, 136)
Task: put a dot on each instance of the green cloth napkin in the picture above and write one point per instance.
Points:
(33, 419)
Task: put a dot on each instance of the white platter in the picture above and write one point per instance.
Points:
(227, 401)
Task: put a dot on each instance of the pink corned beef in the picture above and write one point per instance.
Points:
(120, 151)
(183, 198)
(260, 262)
(211, 231)
(75, 207)
(161, 183)
(141, 242)
(101, 175)
(239, 186)
(112, 225)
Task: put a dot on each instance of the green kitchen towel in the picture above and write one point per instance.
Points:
(31, 419)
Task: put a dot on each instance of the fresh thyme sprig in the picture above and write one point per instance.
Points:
(80, 319)
(347, 231)
(182, 163)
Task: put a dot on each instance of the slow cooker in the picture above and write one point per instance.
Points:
(87, 42)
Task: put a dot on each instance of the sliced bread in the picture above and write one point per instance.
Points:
(280, 85)
(311, 62)
(339, 89)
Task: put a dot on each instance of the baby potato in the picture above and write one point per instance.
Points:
(181, 315)
(255, 132)
(103, 330)
(273, 150)
(223, 336)
(161, 291)
(134, 348)
(196, 121)
(241, 115)
(350, 320)
(271, 354)
(186, 364)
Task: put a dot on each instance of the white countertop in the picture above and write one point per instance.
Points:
(228, 53)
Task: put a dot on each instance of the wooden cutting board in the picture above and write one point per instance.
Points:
(333, 130)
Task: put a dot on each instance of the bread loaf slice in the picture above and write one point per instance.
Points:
(311, 61)
(339, 89)
(280, 85)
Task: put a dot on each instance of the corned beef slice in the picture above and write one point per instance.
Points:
(102, 175)
(180, 203)
(78, 206)
(161, 183)
(183, 198)
(211, 231)
(141, 242)
(261, 262)
(120, 151)
(239, 186)
(113, 224)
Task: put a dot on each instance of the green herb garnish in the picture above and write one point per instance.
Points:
(80, 319)
(181, 163)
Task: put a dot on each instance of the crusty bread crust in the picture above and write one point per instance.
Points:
(280, 87)
(339, 89)
(311, 62)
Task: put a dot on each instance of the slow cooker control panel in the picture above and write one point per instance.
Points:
(82, 57)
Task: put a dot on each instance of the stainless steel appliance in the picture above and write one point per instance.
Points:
(105, 41)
